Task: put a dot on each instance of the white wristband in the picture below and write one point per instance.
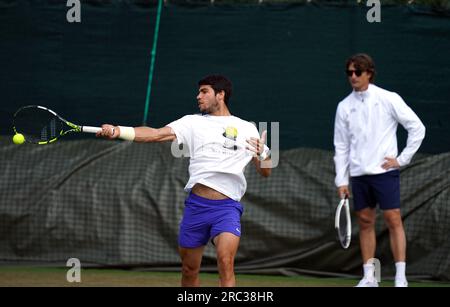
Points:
(264, 155)
(127, 133)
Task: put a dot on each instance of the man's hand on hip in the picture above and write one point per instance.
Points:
(390, 163)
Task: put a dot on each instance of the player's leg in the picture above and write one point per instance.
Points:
(225, 233)
(367, 237)
(226, 247)
(193, 236)
(191, 259)
(387, 191)
(367, 240)
(397, 236)
(364, 205)
(388, 194)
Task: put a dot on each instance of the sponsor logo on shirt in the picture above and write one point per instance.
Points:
(230, 135)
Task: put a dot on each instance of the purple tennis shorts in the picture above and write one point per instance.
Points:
(204, 219)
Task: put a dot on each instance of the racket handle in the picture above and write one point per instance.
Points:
(90, 129)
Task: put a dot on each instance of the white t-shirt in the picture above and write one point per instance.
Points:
(217, 151)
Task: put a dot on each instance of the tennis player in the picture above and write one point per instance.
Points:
(366, 151)
(220, 146)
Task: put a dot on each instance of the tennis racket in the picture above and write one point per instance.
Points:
(40, 125)
(343, 223)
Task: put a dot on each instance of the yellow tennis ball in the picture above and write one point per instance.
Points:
(18, 138)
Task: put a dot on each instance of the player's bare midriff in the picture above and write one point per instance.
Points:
(207, 192)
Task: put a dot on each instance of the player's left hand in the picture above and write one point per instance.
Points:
(390, 163)
(257, 145)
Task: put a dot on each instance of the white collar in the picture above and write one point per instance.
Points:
(363, 95)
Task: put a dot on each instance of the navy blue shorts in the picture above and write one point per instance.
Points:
(382, 189)
(204, 219)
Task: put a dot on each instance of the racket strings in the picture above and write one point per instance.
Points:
(343, 225)
(343, 228)
(37, 125)
(49, 132)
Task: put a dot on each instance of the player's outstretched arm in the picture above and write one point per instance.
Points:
(137, 134)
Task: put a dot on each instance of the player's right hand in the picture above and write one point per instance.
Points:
(343, 191)
(109, 132)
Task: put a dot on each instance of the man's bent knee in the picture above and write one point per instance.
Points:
(366, 221)
(225, 262)
(190, 271)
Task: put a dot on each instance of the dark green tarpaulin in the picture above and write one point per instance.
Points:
(116, 203)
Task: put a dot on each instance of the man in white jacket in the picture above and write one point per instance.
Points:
(366, 156)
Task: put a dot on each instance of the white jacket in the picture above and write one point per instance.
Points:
(365, 133)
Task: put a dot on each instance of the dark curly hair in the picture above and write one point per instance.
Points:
(218, 83)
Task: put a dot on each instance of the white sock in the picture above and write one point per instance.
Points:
(400, 267)
(369, 271)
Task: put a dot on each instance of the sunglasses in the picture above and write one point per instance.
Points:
(357, 72)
